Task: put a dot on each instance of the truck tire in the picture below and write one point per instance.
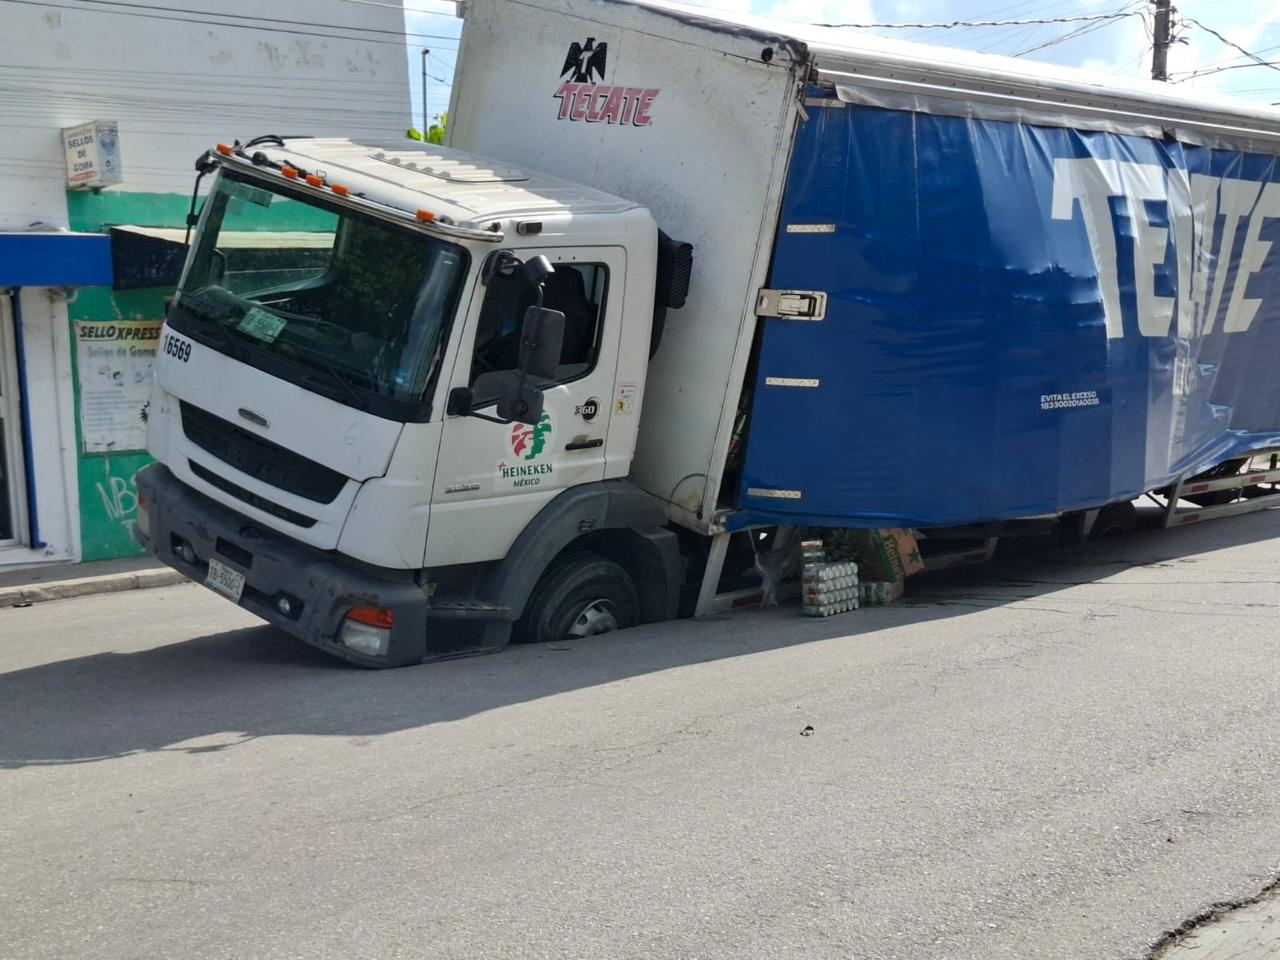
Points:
(1216, 498)
(580, 595)
(1115, 520)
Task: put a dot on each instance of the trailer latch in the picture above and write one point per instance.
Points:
(792, 304)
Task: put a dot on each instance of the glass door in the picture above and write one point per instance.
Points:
(11, 461)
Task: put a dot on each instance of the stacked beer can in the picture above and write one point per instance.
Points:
(877, 593)
(830, 587)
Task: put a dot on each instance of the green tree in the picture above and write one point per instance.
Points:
(436, 133)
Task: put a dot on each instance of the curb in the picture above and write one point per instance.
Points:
(88, 586)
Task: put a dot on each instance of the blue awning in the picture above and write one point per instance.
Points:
(55, 260)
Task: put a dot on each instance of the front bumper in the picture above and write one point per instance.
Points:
(323, 586)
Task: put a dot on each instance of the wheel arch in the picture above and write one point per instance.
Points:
(612, 518)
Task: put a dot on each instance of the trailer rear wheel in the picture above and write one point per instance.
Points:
(1115, 520)
(581, 595)
(1216, 498)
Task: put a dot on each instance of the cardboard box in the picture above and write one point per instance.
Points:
(883, 554)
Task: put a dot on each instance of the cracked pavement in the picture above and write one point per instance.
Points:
(1063, 756)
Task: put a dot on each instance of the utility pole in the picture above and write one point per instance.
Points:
(1160, 41)
(426, 121)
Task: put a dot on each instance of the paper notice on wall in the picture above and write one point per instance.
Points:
(114, 360)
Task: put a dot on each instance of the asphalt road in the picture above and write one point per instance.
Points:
(1058, 758)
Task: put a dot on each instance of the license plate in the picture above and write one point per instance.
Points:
(226, 581)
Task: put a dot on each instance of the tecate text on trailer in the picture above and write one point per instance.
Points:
(1197, 241)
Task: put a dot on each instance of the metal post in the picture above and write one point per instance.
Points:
(1175, 494)
(24, 418)
(711, 576)
(1160, 41)
(426, 121)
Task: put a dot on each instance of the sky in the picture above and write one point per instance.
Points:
(1120, 47)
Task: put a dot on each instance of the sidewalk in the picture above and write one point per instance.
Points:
(60, 581)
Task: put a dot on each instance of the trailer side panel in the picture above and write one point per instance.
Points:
(1020, 320)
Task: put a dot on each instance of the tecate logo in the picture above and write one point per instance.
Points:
(1208, 266)
(584, 95)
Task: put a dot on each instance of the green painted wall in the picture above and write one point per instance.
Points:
(108, 497)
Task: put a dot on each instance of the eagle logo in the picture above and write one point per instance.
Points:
(585, 61)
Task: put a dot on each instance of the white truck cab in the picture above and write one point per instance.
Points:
(396, 382)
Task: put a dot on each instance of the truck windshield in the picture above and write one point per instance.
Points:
(348, 305)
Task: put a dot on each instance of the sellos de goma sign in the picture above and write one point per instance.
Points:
(585, 96)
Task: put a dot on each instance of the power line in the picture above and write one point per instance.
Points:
(1009, 10)
(1273, 64)
(208, 23)
(1071, 34)
(246, 16)
(148, 78)
(401, 6)
(1257, 60)
(1116, 15)
(1233, 59)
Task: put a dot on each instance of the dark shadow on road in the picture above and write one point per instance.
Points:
(257, 682)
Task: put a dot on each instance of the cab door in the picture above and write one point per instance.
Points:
(492, 479)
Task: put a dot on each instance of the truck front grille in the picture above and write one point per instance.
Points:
(251, 498)
(259, 458)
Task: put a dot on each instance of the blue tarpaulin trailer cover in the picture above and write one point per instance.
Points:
(1021, 320)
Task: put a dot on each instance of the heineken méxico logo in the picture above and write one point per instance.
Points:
(528, 443)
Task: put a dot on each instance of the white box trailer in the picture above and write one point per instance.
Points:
(494, 394)
(708, 158)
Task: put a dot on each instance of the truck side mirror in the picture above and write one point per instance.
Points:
(536, 270)
(541, 340)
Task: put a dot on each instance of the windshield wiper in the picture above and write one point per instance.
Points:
(209, 324)
(327, 367)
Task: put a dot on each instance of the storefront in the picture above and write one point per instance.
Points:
(95, 187)
(41, 272)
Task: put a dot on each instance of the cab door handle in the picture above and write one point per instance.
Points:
(584, 444)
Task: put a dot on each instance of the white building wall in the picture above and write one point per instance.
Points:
(176, 84)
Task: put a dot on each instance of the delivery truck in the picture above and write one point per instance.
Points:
(681, 285)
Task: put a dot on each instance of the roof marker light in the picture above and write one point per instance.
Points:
(426, 216)
(223, 149)
(339, 189)
(313, 180)
(289, 172)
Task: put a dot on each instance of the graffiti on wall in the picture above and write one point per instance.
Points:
(109, 504)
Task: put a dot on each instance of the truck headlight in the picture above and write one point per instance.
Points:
(367, 630)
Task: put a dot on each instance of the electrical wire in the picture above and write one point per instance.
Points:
(406, 9)
(1115, 15)
(1273, 64)
(990, 14)
(148, 79)
(1075, 33)
(1256, 60)
(208, 23)
(246, 16)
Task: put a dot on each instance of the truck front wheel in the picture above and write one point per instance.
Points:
(579, 596)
